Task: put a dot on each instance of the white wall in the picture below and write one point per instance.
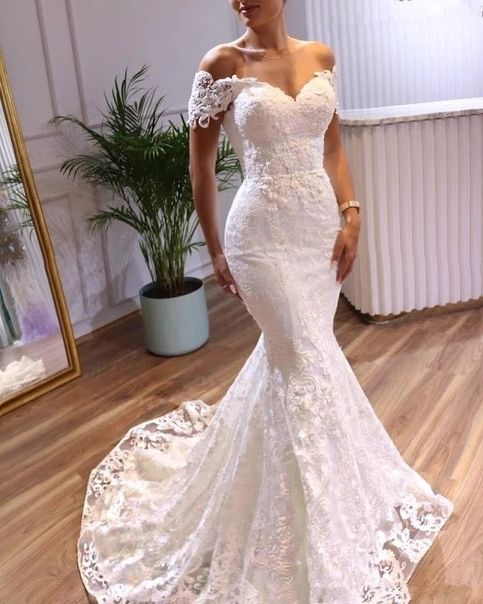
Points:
(392, 52)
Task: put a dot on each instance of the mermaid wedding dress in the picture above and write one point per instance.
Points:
(288, 490)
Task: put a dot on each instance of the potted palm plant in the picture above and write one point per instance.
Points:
(145, 165)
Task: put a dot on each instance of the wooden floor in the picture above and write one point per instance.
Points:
(424, 378)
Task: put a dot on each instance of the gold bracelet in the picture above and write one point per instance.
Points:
(349, 204)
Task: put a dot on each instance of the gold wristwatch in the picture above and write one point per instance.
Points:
(349, 204)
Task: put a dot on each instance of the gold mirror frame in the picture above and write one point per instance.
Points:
(73, 368)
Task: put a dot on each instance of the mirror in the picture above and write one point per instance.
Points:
(37, 346)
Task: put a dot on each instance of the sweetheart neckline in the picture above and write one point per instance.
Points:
(315, 74)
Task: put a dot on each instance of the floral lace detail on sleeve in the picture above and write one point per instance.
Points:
(208, 98)
(334, 84)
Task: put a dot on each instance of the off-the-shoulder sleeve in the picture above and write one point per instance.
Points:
(336, 88)
(208, 97)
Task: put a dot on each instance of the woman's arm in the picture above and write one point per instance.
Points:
(337, 168)
(203, 148)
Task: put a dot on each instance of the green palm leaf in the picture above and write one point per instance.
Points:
(145, 166)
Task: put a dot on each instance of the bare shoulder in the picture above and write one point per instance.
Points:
(221, 61)
(323, 53)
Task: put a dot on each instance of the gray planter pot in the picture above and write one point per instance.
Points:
(174, 326)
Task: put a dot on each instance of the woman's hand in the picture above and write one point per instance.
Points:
(345, 247)
(223, 275)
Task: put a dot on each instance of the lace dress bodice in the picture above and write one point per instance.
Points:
(271, 132)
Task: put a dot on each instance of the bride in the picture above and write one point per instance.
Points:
(288, 490)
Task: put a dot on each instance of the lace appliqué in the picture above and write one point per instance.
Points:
(333, 78)
(403, 538)
(208, 98)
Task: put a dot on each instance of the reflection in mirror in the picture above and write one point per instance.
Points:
(31, 345)
(37, 346)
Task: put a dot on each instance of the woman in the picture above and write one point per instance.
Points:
(288, 490)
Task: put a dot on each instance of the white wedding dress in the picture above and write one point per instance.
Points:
(288, 490)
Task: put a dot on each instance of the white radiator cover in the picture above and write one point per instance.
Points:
(420, 187)
(419, 182)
